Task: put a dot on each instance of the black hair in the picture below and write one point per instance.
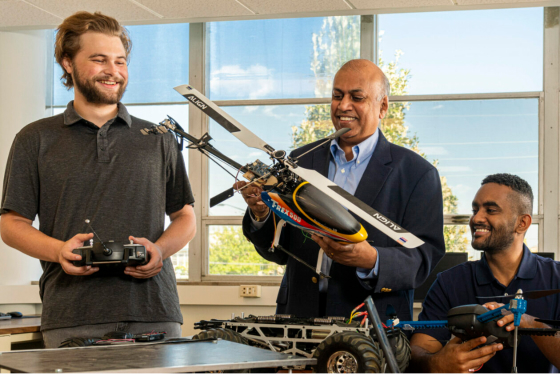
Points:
(517, 184)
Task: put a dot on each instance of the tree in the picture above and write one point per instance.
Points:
(231, 253)
(336, 43)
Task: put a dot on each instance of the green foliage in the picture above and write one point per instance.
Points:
(455, 239)
(337, 42)
(231, 253)
(181, 272)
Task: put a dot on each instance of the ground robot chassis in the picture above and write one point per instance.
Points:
(338, 346)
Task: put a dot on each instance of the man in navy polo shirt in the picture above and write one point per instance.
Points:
(502, 211)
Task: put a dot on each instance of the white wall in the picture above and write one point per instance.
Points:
(23, 68)
(198, 302)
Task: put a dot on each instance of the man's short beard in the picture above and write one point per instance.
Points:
(500, 240)
(92, 94)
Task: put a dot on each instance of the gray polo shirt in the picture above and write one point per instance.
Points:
(65, 169)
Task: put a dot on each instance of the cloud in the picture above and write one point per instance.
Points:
(250, 109)
(232, 81)
(433, 151)
(448, 169)
(235, 70)
(269, 112)
(462, 188)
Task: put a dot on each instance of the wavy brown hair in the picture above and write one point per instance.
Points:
(67, 43)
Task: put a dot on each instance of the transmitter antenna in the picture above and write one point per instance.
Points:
(106, 251)
(337, 134)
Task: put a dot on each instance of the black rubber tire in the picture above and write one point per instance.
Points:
(78, 342)
(348, 352)
(401, 349)
(221, 333)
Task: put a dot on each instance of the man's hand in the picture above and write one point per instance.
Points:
(153, 267)
(459, 357)
(527, 321)
(65, 256)
(548, 345)
(350, 254)
(252, 196)
(428, 355)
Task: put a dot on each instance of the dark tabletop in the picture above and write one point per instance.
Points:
(145, 357)
(20, 325)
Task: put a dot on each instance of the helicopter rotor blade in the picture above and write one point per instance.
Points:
(358, 207)
(539, 294)
(221, 197)
(527, 295)
(539, 332)
(222, 118)
(550, 322)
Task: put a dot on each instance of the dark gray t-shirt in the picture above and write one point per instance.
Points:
(65, 169)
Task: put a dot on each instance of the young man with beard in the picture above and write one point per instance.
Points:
(501, 216)
(92, 162)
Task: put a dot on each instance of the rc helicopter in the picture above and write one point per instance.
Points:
(301, 197)
(472, 321)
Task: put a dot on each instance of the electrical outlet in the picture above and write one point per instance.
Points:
(250, 291)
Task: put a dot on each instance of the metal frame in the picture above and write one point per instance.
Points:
(392, 98)
(198, 125)
(550, 112)
(271, 342)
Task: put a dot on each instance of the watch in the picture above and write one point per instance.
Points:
(259, 219)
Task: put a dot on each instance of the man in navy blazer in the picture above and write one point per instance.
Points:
(393, 180)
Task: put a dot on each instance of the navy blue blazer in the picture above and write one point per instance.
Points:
(399, 184)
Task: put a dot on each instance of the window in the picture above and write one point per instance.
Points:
(231, 254)
(470, 139)
(468, 88)
(250, 63)
(484, 120)
(478, 51)
(281, 58)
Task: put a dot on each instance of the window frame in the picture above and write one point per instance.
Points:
(198, 271)
(547, 216)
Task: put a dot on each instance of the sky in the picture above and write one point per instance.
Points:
(445, 53)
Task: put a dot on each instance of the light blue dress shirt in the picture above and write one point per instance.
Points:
(347, 174)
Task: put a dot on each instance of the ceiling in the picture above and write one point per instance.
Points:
(41, 14)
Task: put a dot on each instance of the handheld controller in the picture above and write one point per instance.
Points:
(110, 252)
(125, 254)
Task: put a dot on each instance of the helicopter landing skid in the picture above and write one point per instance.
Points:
(276, 245)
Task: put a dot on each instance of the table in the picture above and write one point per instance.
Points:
(17, 330)
(149, 358)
